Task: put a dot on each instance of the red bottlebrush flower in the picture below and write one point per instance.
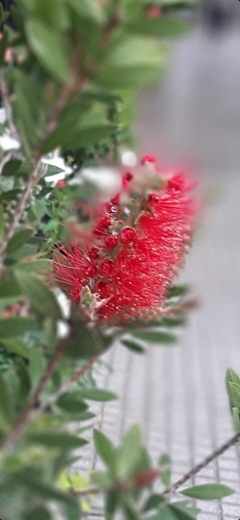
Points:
(127, 177)
(148, 159)
(127, 235)
(69, 269)
(61, 184)
(115, 200)
(123, 277)
(93, 253)
(111, 242)
(106, 268)
(154, 12)
(153, 199)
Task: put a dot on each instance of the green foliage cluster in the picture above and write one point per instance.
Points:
(69, 70)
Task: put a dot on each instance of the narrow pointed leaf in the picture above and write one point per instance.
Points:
(96, 394)
(57, 440)
(47, 44)
(129, 452)
(10, 327)
(155, 337)
(42, 299)
(208, 491)
(104, 448)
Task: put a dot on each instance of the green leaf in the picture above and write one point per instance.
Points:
(131, 345)
(172, 322)
(155, 337)
(130, 62)
(41, 488)
(37, 365)
(101, 479)
(111, 504)
(6, 412)
(124, 77)
(78, 139)
(163, 27)
(24, 383)
(57, 440)
(96, 394)
(232, 377)
(11, 168)
(183, 512)
(9, 292)
(39, 209)
(40, 266)
(81, 417)
(164, 514)
(153, 502)
(129, 452)
(18, 347)
(10, 327)
(85, 344)
(71, 404)
(38, 513)
(29, 111)
(89, 9)
(178, 290)
(48, 45)
(1, 222)
(42, 299)
(130, 512)
(103, 96)
(236, 419)
(175, 3)
(208, 491)
(166, 475)
(104, 449)
(234, 391)
(5, 405)
(21, 237)
(72, 510)
(50, 13)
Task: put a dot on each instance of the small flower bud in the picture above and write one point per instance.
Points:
(103, 289)
(61, 184)
(115, 200)
(93, 253)
(148, 159)
(111, 242)
(128, 235)
(126, 178)
(105, 222)
(106, 268)
(153, 199)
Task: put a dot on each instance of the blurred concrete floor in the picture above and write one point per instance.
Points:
(178, 393)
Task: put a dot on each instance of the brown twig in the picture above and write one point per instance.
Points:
(20, 207)
(23, 418)
(231, 442)
(8, 109)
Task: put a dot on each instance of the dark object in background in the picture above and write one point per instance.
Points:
(7, 4)
(217, 15)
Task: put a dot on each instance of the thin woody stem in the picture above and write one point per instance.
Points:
(8, 109)
(20, 207)
(231, 442)
(65, 386)
(23, 418)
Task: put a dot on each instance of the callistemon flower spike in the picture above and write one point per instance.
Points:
(134, 248)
